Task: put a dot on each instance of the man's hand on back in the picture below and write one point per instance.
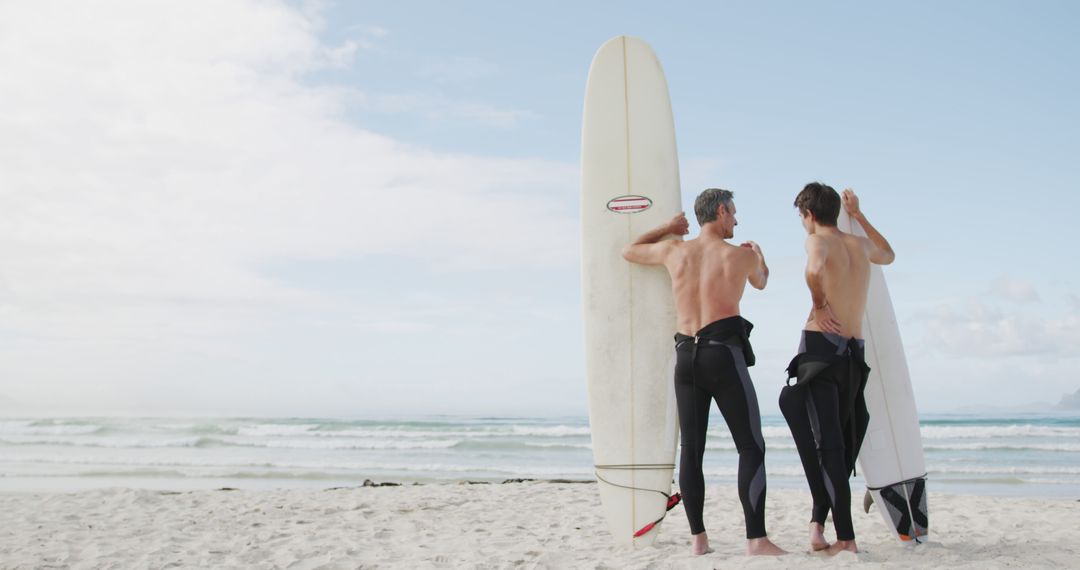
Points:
(826, 319)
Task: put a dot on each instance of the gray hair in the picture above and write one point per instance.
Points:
(708, 201)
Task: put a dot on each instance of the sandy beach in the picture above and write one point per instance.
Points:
(512, 525)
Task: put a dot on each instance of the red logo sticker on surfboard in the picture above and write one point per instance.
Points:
(629, 204)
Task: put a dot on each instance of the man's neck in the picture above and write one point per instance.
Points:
(711, 232)
(822, 230)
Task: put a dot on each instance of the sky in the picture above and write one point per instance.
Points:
(239, 207)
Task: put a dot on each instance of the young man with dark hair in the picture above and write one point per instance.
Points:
(825, 408)
(708, 277)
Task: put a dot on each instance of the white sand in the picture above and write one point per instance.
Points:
(524, 525)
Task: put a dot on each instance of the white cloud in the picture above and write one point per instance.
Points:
(369, 39)
(1015, 290)
(154, 157)
(131, 148)
(343, 55)
(949, 384)
(979, 329)
(441, 109)
(377, 32)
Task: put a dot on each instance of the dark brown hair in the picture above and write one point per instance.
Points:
(821, 201)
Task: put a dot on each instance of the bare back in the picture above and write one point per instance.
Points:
(846, 280)
(708, 277)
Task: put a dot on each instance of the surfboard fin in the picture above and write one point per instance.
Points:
(867, 501)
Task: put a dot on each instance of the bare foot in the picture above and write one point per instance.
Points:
(763, 546)
(842, 546)
(817, 537)
(700, 544)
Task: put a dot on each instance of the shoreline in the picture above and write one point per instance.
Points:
(993, 456)
(66, 485)
(856, 491)
(517, 523)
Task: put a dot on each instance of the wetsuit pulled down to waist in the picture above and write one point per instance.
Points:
(826, 411)
(732, 331)
(712, 365)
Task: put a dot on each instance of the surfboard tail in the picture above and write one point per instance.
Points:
(903, 507)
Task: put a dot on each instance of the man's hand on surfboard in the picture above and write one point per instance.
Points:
(851, 203)
(651, 248)
(679, 225)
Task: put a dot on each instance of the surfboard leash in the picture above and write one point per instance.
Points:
(672, 499)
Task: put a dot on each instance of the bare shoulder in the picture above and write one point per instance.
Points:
(673, 244)
(815, 241)
(745, 254)
(657, 253)
(860, 242)
(736, 255)
(724, 248)
(673, 247)
(859, 249)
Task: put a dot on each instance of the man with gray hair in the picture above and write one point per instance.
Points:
(708, 277)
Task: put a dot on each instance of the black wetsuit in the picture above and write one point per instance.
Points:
(713, 365)
(827, 415)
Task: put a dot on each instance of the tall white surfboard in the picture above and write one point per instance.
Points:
(891, 457)
(629, 185)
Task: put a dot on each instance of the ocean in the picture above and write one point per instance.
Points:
(1008, 455)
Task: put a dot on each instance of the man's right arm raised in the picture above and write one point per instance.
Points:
(649, 249)
(881, 252)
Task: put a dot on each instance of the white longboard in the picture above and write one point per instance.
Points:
(891, 457)
(629, 185)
